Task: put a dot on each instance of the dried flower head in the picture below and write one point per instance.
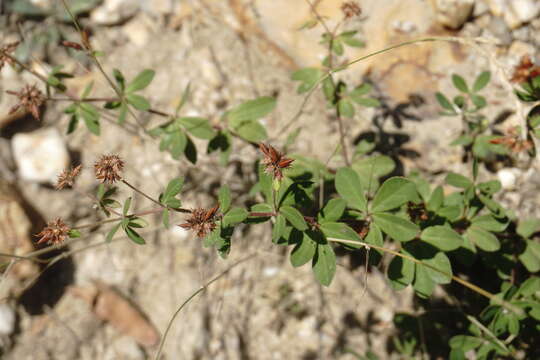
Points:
(202, 221)
(54, 233)
(350, 9)
(67, 177)
(4, 50)
(274, 161)
(108, 168)
(525, 70)
(30, 98)
(417, 212)
(513, 141)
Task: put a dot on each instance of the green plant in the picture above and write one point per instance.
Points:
(435, 237)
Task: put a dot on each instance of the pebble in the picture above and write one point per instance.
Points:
(515, 12)
(508, 178)
(41, 155)
(7, 320)
(113, 12)
(452, 13)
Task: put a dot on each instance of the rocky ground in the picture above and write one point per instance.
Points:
(230, 51)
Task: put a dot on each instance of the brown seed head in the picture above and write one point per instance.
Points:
(30, 97)
(67, 177)
(54, 233)
(202, 221)
(525, 70)
(6, 49)
(350, 9)
(108, 168)
(274, 161)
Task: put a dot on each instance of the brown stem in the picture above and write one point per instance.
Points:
(182, 210)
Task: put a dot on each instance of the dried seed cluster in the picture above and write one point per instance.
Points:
(350, 9)
(55, 232)
(525, 70)
(67, 177)
(202, 221)
(6, 49)
(30, 98)
(274, 161)
(108, 169)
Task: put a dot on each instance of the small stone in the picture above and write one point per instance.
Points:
(41, 155)
(113, 12)
(138, 31)
(518, 49)
(7, 320)
(508, 178)
(515, 12)
(452, 13)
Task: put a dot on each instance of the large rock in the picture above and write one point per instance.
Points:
(40, 155)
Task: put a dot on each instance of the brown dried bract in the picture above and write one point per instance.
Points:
(72, 45)
(513, 142)
(67, 177)
(55, 232)
(7, 49)
(350, 9)
(202, 221)
(108, 168)
(30, 98)
(274, 161)
(417, 212)
(525, 70)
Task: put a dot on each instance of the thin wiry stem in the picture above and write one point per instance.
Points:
(457, 279)
(192, 296)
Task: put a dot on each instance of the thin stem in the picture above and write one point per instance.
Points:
(342, 138)
(143, 194)
(488, 333)
(192, 296)
(457, 279)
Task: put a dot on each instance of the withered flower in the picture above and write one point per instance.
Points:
(512, 141)
(274, 161)
(6, 49)
(67, 177)
(350, 9)
(202, 221)
(108, 168)
(30, 97)
(525, 70)
(54, 233)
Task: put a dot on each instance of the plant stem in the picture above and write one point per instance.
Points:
(457, 279)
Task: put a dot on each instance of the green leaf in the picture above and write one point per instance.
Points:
(528, 227)
(234, 216)
(294, 217)
(458, 180)
(324, 264)
(360, 91)
(442, 237)
(252, 131)
(374, 236)
(305, 250)
(462, 140)
(120, 80)
(138, 101)
(436, 200)
(224, 198)
(465, 343)
(349, 187)
(251, 110)
(279, 228)
(460, 83)
(127, 204)
(490, 187)
(478, 101)
(137, 222)
(345, 108)
(367, 102)
(531, 256)
(173, 188)
(198, 127)
(337, 47)
(165, 218)
(113, 231)
(400, 272)
(309, 78)
(341, 231)
(333, 210)
(444, 102)
(441, 262)
(483, 239)
(371, 169)
(488, 222)
(74, 233)
(134, 236)
(123, 113)
(396, 227)
(393, 193)
(423, 284)
(481, 81)
(90, 116)
(141, 81)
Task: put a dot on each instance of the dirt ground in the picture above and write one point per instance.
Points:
(232, 51)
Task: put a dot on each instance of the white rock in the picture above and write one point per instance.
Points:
(515, 12)
(452, 13)
(508, 178)
(40, 155)
(137, 31)
(113, 12)
(7, 319)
